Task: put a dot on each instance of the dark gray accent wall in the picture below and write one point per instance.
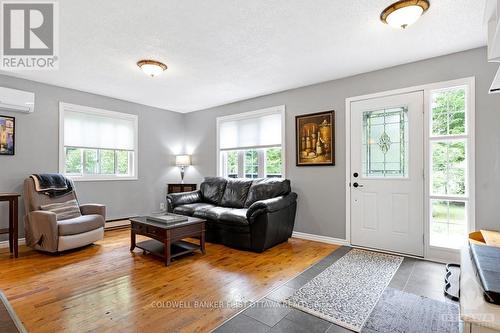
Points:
(321, 190)
(37, 141)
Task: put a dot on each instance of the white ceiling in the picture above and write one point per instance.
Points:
(221, 51)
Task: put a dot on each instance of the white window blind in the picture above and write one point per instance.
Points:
(97, 144)
(84, 129)
(256, 131)
(251, 144)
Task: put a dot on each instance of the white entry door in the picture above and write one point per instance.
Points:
(387, 173)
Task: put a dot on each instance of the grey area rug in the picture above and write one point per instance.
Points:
(398, 311)
(346, 292)
(9, 322)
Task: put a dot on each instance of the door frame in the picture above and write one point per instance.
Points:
(430, 253)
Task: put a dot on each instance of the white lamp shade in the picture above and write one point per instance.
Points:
(403, 17)
(183, 160)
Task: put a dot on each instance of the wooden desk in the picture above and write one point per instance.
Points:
(13, 231)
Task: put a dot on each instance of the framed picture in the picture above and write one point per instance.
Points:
(7, 135)
(315, 135)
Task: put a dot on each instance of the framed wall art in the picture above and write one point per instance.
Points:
(315, 139)
(7, 135)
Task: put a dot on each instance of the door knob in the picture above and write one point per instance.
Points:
(357, 185)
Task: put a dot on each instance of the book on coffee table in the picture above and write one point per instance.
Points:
(168, 218)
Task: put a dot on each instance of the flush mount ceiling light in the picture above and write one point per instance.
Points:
(404, 13)
(151, 67)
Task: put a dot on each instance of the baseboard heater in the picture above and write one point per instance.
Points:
(117, 224)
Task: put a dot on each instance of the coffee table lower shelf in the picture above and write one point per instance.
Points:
(177, 249)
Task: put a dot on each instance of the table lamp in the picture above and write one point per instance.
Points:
(182, 161)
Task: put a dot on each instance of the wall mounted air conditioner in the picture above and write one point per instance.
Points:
(16, 100)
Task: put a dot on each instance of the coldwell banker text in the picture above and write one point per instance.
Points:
(29, 35)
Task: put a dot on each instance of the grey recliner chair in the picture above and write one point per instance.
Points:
(45, 233)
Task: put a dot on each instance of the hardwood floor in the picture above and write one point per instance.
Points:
(106, 288)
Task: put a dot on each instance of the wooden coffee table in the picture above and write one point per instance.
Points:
(167, 238)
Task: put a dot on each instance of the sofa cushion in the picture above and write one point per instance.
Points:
(210, 213)
(236, 192)
(212, 189)
(63, 210)
(188, 209)
(234, 217)
(79, 225)
(267, 188)
(183, 198)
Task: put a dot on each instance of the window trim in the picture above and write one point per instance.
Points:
(96, 111)
(279, 109)
(434, 251)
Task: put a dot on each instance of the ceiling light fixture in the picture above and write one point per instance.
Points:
(403, 13)
(151, 67)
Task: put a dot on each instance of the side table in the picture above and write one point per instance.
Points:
(177, 188)
(12, 230)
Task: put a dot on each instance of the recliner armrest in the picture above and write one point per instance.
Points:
(43, 228)
(183, 198)
(43, 216)
(97, 209)
(271, 205)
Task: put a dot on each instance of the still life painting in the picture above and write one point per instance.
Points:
(7, 135)
(315, 139)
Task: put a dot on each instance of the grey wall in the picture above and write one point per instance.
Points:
(321, 190)
(37, 135)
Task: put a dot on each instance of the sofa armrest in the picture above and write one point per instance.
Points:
(42, 230)
(183, 198)
(97, 209)
(271, 205)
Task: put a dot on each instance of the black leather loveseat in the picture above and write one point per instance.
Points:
(242, 213)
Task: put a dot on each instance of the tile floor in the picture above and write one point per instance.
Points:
(268, 315)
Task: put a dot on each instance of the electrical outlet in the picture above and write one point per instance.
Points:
(162, 206)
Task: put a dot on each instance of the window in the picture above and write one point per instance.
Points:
(97, 144)
(385, 143)
(250, 145)
(251, 164)
(450, 174)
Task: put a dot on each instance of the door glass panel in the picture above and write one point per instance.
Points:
(385, 143)
(448, 112)
(448, 167)
(448, 224)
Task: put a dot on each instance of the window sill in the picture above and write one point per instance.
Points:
(98, 179)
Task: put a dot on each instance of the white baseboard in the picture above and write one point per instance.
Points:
(5, 244)
(322, 239)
